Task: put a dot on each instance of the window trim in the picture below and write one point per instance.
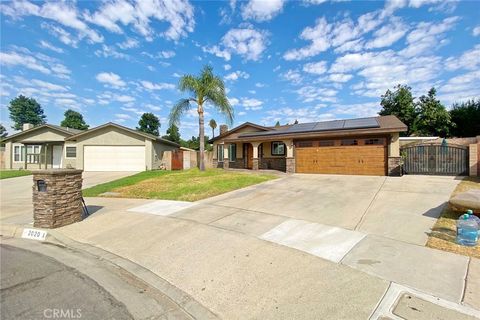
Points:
(66, 154)
(23, 152)
(349, 145)
(219, 159)
(278, 154)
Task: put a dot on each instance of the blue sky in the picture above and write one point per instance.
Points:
(306, 60)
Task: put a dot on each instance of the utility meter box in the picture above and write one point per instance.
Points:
(57, 197)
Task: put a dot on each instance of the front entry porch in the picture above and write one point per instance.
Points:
(40, 155)
(261, 155)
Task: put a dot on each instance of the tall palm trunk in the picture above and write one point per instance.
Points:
(213, 132)
(201, 132)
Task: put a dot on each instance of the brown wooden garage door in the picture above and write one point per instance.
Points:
(336, 158)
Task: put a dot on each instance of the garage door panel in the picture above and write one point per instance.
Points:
(361, 160)
(114, 158)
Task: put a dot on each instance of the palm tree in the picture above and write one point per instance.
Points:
(213, 125)
(205, 88)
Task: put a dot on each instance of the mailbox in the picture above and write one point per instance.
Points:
(41, 186)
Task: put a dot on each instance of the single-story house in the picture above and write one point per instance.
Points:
(365, 146)
(109, 147)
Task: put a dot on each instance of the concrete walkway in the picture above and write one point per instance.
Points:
(300, 246)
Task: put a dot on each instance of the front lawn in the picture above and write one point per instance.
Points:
(444, 232)
(188, 185)
(6, 174)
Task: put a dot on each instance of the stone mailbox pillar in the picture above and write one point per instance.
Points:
(57, 197)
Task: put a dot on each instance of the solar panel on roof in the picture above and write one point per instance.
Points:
(361, 123)
(329, 125)
(300, 127)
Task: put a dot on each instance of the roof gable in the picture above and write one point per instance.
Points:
(64, 130)
(239, 128)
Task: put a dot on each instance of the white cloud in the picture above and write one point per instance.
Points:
(123, 116)
(129, 43)
(237, 75)
(166, 54)
(340, 77)
(460, 88)
(178, 14)
(124, 98)
(38, 62)
(323, 35)
(476, 31)
(251, 104)
(157, 86)
(293, 76)
(64, 13)
(315, 67)
(64, 36)
(427, 36)
(48, 85)
(241, 113)
(48, 45)
(248, 43)
(110, 51)
(233, 101)
(262, 10)
(311, 93)
(227, 67)
(470, 59)
(388, 34)
(111, 79)
(260, 85)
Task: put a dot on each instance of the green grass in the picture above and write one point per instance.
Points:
(6, 174)
(188, 185)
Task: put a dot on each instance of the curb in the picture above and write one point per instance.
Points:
(181, 298)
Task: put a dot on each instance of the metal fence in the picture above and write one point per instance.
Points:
(435, 160)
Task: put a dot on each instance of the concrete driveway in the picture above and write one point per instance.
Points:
(398, 208)
(16, 194)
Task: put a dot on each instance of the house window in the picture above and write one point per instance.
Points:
(33, 153)
(305, 144)
(232, 152)
(70, 152)
(19, 153)
(220, 153)
(349, 142)
(278, 148)
(326, 143)
(377, 141)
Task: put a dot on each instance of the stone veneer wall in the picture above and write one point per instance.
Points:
(61, 203)
(394, 167)
(237, 164)
(273, 163)
(290, 165)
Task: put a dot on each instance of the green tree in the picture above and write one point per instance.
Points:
(74, 120)
(194, 143)
(205, 88)
(399, 102)
(149, 123)
(277, 124)
(433, 118)
(3, 134)
(213, 125)
(173, 134)
(25, 110)
(466, 119)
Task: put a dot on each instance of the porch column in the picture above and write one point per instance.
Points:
(255, 161)
(289, 159)
(225, 156)
(394, 161)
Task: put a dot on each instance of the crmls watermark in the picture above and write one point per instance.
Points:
(62, 313)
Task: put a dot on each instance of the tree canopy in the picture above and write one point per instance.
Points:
(25, 110)
(204, 88)
(213, 125)
(173, 134)
(74, 120)
(149, 123)
(400, 102)
(433, 118)
(466, 117)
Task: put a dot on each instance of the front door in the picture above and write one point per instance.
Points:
(57, 156)
(249, 156)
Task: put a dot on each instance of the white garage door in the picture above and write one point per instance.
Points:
(114, 158)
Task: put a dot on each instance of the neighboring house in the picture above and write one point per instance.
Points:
(366, 146)
(109, 147)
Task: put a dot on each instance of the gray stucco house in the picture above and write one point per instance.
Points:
(109, 147)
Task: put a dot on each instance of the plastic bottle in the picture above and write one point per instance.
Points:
(467, 230)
